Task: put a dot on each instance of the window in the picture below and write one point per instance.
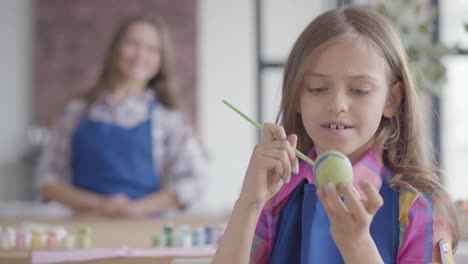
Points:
(454, 112)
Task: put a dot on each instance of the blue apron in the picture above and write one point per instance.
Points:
(110, 159)
(303, 234)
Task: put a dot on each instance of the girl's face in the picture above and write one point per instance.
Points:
(139, 57)
(344, 94)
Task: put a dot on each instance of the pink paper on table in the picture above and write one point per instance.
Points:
(56, 256)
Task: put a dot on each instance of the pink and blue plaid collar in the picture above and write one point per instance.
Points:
(368, 167)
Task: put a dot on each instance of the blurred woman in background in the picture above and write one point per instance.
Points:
(124, 148)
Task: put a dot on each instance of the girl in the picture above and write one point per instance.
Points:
(124, 148)
(347, 86)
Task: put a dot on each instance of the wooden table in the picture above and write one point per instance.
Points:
(108, 234)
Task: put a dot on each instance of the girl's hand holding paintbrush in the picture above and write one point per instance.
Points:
(271, 165)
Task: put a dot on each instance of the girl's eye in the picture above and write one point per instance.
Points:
(360, 91)
(317, 90)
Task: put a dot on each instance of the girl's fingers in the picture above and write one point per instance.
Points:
(274, 166)
(283, 151)
(352, 201)
(269, 161)
(292, 139)
(286, 146)
(272, 132)
(374, 200)
(356, 192)
(276, 134)
(278, 146)
(322, 195)
(332, 201)
(278, 171)
(282, 158)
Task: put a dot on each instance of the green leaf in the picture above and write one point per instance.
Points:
(466, 27)
(423, 28)
(417, 9)
(437, 72)
(382, 9)
(424, 55)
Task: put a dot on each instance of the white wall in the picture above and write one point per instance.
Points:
(453, 16)
(454, 123)
(15, 95)
(226, 71)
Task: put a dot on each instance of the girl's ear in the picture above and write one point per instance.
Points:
(393, 100)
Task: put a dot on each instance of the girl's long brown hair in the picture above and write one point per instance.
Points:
(163, 83)
(400, 138)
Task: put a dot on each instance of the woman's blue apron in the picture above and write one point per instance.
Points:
(110, 159)
(303, 234)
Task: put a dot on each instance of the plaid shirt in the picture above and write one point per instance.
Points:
(421, 229)
(175, 150)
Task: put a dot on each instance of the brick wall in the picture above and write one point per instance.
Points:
(72, 35)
